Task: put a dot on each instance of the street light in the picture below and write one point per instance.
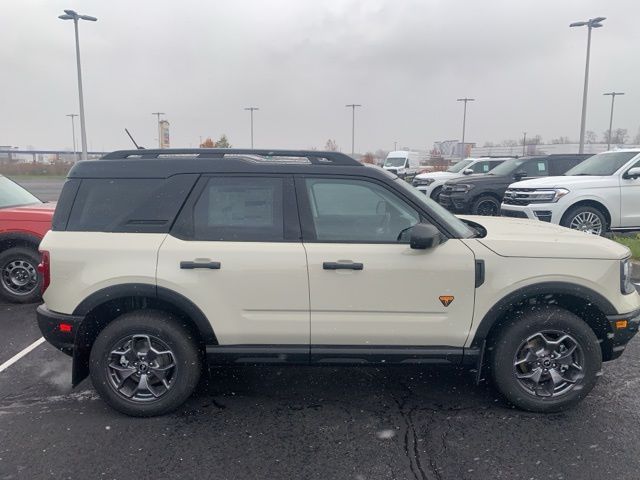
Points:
(524, 143)
(252, 109)
(464, 122)
(157, 114)
(353, 107)
(73, 133)
(613, 98)
(72, 15)
(591, 23)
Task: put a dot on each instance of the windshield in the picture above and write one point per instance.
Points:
(395, 162)
(458, 167)
(453, 223)
(603, 164)
(12, 194)
(508, 167)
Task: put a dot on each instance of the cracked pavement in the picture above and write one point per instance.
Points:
(309, 422)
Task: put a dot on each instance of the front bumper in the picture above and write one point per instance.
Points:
(58, 329)
(546, 212)
(623, 329)
(456, 203)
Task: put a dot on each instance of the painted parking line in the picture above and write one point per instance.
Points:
(21, 354)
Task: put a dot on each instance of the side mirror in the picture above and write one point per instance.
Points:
(519, 175)
(467, 171)
(633, 173)
(424, 236)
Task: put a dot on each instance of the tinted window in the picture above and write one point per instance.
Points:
(12, 194)
(358, 211)
(557, 166)
(535, 167)
(240, 209)
(481, 167)
(122, 205)
(102, 204)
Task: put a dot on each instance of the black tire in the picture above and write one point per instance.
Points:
(521, 331)
(20, 281)
(486, 205)
(159, 327)
(436, 193)
(572, 217)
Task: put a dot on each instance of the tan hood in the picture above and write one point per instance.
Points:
(514, 237)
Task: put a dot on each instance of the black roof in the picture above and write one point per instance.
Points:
(167, 162)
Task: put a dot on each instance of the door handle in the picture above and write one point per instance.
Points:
(342, 266)
(192, 265)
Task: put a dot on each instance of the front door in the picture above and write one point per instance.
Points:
(630, 200)
(367, 286)
(236, 253)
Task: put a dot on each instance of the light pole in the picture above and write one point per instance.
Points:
(72, 15)
(395, 146)
(591, 23)
(464, 122)
(613, 98)
(353, 107)
(251, 110)
(157, 114)
(73, 133)
(524, 143)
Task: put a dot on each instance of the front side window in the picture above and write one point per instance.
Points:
(345, 210)
(481, 167)
(240, 209)
(536, 167)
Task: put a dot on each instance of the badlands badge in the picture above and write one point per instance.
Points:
(446, 299)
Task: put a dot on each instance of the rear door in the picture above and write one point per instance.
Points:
(235, 252)
(367, 286)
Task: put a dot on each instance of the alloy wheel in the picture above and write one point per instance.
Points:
(487, 208)
(141, 368)
(587, 222)
(549, 364)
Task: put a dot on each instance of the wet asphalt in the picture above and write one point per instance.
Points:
(309, 423)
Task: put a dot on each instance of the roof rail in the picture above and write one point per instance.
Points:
(314, 156)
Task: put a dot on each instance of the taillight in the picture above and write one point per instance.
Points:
(44, 267)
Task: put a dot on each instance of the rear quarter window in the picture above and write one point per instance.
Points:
(143, 205)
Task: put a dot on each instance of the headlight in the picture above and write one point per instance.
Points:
(626, 285)
(463, 187)
(547, 195)
(423, 181)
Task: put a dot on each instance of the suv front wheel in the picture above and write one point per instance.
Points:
(545, 359)
(586, 219)
(144, 364)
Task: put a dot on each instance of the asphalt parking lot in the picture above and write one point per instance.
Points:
(307, 422)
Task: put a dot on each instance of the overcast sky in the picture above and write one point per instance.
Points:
(301, 61)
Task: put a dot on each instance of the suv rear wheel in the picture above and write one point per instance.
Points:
(586, 219)
(144, 364)
(19, 279)
(486, 205)
(545, 360)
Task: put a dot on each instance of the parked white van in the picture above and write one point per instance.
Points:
(405, 163)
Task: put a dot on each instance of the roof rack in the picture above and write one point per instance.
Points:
(314, 157)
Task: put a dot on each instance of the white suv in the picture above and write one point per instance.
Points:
(431, 183)
(161, 260)
(602, 193)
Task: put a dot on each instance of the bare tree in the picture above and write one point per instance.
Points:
(590, 137)
(509, 143)
(331, 146)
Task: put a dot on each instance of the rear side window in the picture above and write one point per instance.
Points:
(240, 209)
(142, 205)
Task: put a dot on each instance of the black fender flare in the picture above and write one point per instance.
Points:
(545, 288)
(151, 291)
(24, 237)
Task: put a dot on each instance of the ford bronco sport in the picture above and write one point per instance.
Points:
(161, 260)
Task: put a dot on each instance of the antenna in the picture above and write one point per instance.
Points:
(134, 142)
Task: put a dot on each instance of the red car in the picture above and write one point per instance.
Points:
(24, 219)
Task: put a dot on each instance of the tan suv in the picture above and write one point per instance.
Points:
(161, 260)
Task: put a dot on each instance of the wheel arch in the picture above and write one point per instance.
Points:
(589, 203)
(105, 305)
(18, 239)
(589, 305)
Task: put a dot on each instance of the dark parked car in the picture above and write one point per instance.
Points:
(482, 194)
